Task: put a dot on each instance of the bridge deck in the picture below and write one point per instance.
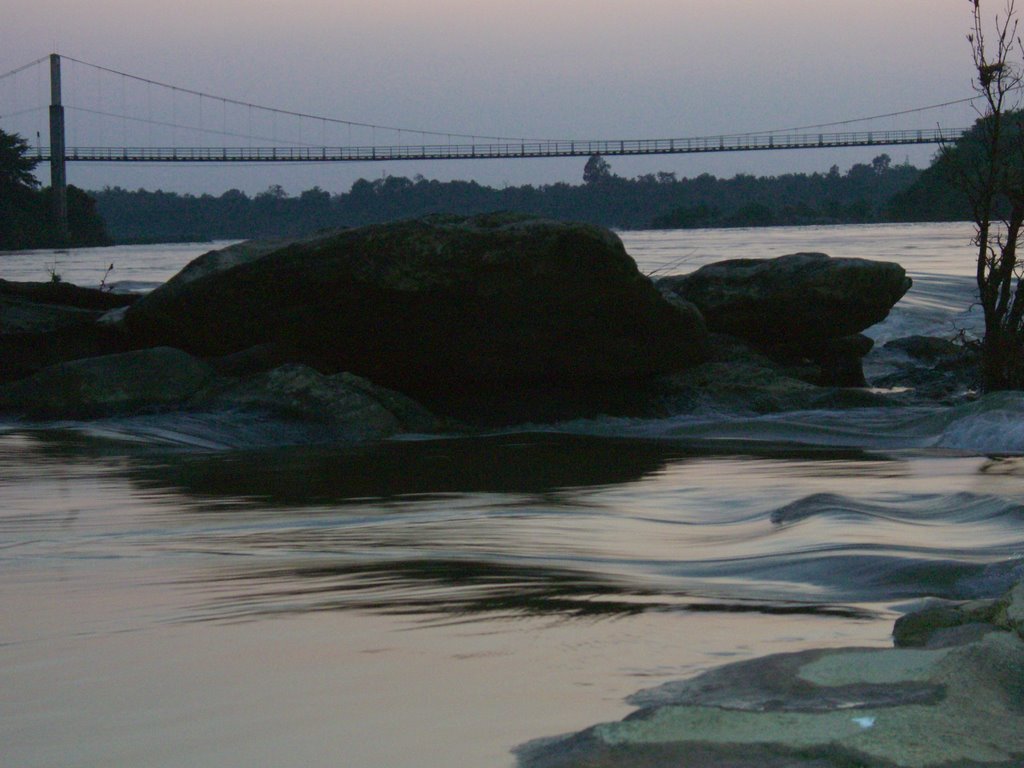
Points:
(535, 149)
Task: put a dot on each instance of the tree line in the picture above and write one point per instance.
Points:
(26, 208)
(660, 200)
(867, 192)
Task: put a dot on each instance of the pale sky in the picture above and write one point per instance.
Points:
(586, 69)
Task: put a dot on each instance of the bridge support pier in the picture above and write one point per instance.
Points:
(58, 167)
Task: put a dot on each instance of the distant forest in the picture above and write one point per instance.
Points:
(865, 193)
(27, 212)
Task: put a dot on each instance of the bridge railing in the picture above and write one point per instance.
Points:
(533, 149)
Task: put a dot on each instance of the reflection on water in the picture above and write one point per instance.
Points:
(528, 464)
(522, 524)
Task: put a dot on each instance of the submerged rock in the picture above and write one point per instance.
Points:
(932, 350)
(929, 367)
(875, 708)
(486, 310)
(945, 622)
(742, 380)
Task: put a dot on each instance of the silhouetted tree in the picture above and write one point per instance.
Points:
(26, 212)
(881, 164)
(988, 164)
(15, 166)
(596, 170)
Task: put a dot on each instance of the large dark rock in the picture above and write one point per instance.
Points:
(445, 309)
(798, 302)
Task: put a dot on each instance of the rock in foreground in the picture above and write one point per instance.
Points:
(946, 704)
(447, 309)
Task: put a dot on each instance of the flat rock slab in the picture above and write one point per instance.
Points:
(911, 708)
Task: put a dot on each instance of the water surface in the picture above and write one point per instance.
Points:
(208, 590)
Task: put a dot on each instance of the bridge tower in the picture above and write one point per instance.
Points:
(58, 168)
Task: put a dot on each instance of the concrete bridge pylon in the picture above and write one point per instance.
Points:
(58, 166)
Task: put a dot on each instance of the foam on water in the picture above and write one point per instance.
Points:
(995, 424)
(936, 305)
(992, 425)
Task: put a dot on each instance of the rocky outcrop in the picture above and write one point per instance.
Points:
(485, 310)
(354, 407)
(804, 305)
(934, 368)
(740, 379)
(948, 622)
(46, 323)
(222, 259)
(490, 320)
(343, 406)
(44, 307)
(953, 701)
(108, 384)
(801, 300)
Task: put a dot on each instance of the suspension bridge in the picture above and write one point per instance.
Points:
(274, 149)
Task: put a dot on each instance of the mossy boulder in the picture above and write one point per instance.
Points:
(800, 301)
(446, 309)
(354, 407)
(118, 383)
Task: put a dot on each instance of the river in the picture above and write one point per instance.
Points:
(177, 592)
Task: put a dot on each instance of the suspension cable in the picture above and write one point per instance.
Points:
(290, 113)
